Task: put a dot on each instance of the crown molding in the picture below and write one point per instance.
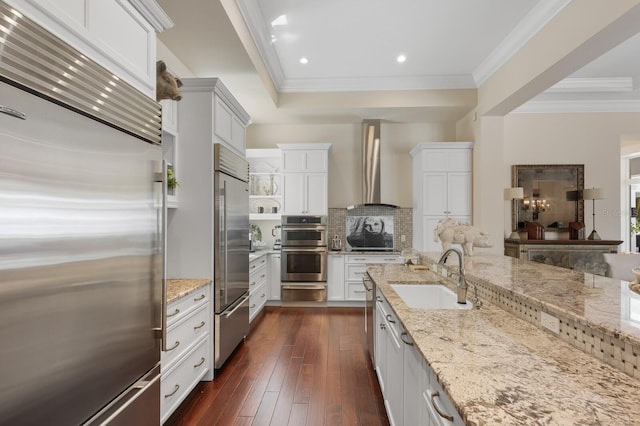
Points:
(533, 22)
(153, 13)
(577, 84)
(554, 107)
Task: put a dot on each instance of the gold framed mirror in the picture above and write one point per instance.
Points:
(552, 195)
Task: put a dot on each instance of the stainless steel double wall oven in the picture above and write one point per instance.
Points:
(304, 259)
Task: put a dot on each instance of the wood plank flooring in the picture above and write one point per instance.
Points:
(298, 366)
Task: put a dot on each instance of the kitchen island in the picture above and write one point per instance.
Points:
(500, 367)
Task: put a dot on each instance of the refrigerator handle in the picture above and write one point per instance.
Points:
(238, 305)
(165, 195)
(225, 238)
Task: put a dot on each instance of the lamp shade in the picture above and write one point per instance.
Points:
(593, 194)
(513, 193)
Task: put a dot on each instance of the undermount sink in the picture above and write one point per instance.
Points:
(429, 296)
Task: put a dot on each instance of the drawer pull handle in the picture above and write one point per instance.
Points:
(202, 296)
(389, 319)
(262, 276)
(253, 306)
(406, 342)
(199, 364)
(253, 283)
(438, 410)
(176, 312)
(199, 326)
(173, 347)
(263, 295)
(174, 391)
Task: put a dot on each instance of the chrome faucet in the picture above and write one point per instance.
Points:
(462, 281)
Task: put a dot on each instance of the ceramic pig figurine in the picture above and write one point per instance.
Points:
(450, 231)
(166, 84)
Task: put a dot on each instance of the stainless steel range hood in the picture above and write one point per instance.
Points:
(371, 165)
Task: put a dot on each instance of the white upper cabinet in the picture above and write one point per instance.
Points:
(442, 187)
(215, 114)
(120, 35)
(305, 179)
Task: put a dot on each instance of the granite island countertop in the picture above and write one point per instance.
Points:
(499, 369)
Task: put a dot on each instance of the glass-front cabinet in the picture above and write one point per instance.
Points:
(265, 184)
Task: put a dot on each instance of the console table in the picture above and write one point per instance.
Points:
(579, 255)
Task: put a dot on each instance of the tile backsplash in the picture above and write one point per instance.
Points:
(403, 223)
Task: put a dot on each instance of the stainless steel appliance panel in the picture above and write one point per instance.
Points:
(304, 236)
(231, 327)
(303, 292)
(231, 251)
(304, 264)
(80, 262)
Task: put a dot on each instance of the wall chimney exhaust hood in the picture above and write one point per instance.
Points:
(371, 165)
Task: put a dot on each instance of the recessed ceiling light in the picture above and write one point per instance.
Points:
(401, 59)
(273, 38)
(280, 20)
(304, 60)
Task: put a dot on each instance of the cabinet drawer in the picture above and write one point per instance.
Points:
(179, 381)
(257, 279)
(391, 258)
(257, 300)
(355, 290)
(182, 335)
(181, 307)
(257, 263)
(355, 271)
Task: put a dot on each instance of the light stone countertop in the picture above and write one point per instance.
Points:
(178, 288)
(499, 369)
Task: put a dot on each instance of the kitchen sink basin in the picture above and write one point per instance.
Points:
(429, 296)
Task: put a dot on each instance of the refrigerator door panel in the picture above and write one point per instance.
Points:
(232, 242)
(80, 262)
(231, 326)
(139, 405)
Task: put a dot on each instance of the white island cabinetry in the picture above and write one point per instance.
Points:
(410, 389)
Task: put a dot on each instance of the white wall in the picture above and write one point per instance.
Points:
(345, 163)
(592, 139)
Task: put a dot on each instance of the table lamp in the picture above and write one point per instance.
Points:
(511, 194)
(594, 194)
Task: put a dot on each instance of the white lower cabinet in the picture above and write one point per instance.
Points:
(274, 276)
(188, 355)
(355, 266)
(335, 276)
(258, 279)
(410, 389)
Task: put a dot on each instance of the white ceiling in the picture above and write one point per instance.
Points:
(352, 47)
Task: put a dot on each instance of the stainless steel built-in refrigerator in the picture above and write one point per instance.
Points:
(80, 238)
(231, 252)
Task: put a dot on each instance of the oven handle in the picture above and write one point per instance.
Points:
(285, 228)
(322, 249)
(304, 287)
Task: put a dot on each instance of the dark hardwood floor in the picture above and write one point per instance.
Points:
(298, 366)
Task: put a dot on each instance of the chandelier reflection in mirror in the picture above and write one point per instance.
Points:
(535, 204)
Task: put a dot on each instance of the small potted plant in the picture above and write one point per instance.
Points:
(172, 182)
(635, 229)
